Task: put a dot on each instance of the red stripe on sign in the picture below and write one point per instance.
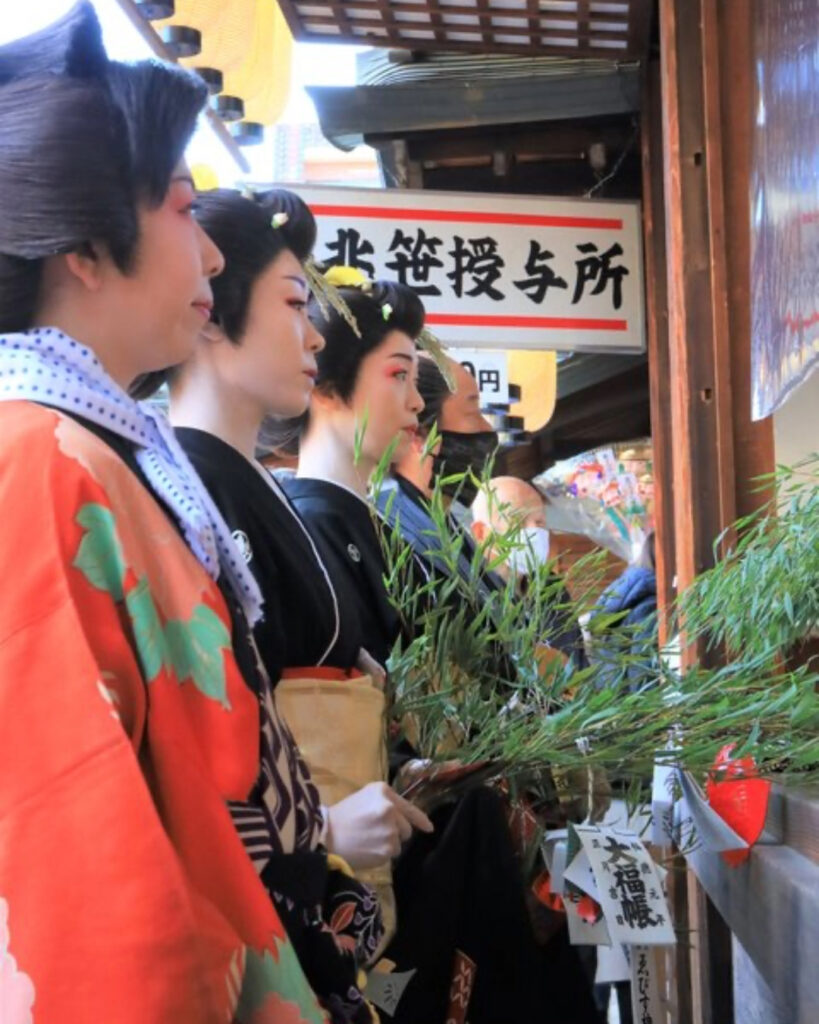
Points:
(467, 217)
(561, 323)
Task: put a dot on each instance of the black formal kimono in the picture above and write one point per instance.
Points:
(463, 925)
(342, 525)
(304, 622)
(303, 627)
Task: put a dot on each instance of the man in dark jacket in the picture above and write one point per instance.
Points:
(628, 638)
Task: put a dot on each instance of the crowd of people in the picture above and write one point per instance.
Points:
(173, 848)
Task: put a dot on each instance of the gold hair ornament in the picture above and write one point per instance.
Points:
(352, 277)
(327, 295)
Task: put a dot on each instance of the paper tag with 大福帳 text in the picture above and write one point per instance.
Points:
(626, 882)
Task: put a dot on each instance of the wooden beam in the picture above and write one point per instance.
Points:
(772, 902)
(700, 385)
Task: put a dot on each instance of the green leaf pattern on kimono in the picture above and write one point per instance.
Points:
(279, 987)
(148, 632)
(192, 650)
(195, 650)
(99, 556)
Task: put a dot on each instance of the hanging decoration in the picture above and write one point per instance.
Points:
(243, 51)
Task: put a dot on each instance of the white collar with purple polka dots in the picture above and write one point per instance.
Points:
(46, 366)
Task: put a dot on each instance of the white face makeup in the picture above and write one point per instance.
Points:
(386, 398)
(274, 362)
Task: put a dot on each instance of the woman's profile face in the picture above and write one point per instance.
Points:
(385, 402)
(165, 299)
(274, 363)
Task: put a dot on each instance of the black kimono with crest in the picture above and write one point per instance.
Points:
(464, 943)
(303, 627)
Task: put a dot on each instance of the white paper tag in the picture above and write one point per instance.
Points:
(575, 865)
(554, 853)
(583, 932)
(629, 887)
(662, 805)
(384, 990)
(612, 965)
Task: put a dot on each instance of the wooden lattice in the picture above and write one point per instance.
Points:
(570, 28)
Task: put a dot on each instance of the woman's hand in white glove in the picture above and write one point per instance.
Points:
(369, 827)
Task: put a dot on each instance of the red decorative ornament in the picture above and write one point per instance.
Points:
(740, 798)
(542, 888)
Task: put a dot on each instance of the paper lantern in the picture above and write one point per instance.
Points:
(250, 43)
(204, 177)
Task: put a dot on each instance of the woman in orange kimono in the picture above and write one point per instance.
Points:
(126, 724)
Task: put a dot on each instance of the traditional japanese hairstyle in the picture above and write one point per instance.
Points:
(252, 229)
(378, 307)
(83, 143)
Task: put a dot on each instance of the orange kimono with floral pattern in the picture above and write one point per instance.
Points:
(125, 725)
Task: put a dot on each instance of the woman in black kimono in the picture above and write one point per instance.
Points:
(366, 401)
(257, 358)
(466, 444)
(464, 945)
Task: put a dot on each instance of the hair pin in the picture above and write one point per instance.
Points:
(278, 220)
(386, 311)
(248, 193)
(435, 350)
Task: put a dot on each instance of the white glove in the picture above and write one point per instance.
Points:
(369, 827)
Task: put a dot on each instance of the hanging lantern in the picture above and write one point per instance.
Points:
(205, 179)
(213, 79)
(250, 43)
(181, 41)
(247, 133)
(155, 11)
(228, 108)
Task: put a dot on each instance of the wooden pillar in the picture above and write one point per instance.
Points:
(754, 454)
(706, 54)
(699, 357)
(651, 136)
(699, 391)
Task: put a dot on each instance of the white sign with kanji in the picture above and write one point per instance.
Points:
(491, 371)
(497, 271)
